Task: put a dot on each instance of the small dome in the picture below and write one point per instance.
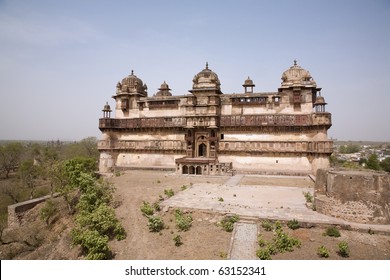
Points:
(132, 84)
(206, 79)
(106, 108)
(164, 90)
(297, 76)
(320, 100)
(248, 82)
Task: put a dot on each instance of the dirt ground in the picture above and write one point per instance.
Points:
(204, 240)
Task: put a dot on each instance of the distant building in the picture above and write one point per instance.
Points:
(209, 132)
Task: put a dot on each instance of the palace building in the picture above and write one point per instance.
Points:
(210, 132)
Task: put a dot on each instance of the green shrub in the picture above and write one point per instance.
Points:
(183, 222)
(227, 222)
(293, 224)
(220, 199)
(332, 231)
(95, 244)
(267, 225)
(278, 225)
(323, 252)
(147, 209)
(263, 254)
(261, 241)
(48, 211)
(283, 242)
(103, 220)
(343, 249)
(308, 196)
(155, 223)
(177, 240)
(184, 187)
(169, 192)
(223, 255)
(156, 206)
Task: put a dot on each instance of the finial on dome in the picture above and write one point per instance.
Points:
(207, 65)
(132, 72)
(295, 62)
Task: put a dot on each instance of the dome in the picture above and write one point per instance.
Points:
(131, 84)
(107, 108)
(163, 90)
(320, 100)
(206, 79)
(297, 76)
(248, 83)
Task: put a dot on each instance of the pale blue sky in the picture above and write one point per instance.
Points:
(60, 60)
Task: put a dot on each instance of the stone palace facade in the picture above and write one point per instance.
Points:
(210, 132)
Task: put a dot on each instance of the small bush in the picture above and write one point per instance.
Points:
(227, 223)
(184, 187)
(343, 249)
(293, 224)
(267, 225)
(169, 192)
(183, 222)
(220, 199)
(223, 255)
(263, 254)
(177, 240)
(155, 223)
(323, 252)
(308, 196)
(147, 209)
(261, 241)
(278, 225)
(156, 206)
(48, 211)
(283, 242)
(370, 231)
(332, 231)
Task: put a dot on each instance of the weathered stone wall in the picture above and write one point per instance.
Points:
(16, 211)
(357, 196)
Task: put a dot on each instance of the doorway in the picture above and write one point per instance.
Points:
(202, 150)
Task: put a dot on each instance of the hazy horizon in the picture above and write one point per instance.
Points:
(61, 60)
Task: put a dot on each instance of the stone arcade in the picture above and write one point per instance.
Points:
(209, 132)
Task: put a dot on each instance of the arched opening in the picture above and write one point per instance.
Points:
(191, 170)
(198, 170)
(185, 169)
(202, 150)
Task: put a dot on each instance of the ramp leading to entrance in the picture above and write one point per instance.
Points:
(244, 241)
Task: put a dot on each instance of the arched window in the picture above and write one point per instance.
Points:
(191, 170)
(185, 169)
(198, 170)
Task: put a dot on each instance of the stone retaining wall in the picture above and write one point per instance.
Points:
(16, 211)
(357, 196)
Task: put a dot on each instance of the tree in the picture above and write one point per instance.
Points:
(373, 162)
(385, 164)
(29, 174)
(10, 157)
(349, 149)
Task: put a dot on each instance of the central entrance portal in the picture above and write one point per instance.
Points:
(202, 150)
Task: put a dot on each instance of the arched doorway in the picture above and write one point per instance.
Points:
(192, 170)
(202, 150)
(198, 170)
(185, 169)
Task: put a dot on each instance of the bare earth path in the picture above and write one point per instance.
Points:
(208, 199)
